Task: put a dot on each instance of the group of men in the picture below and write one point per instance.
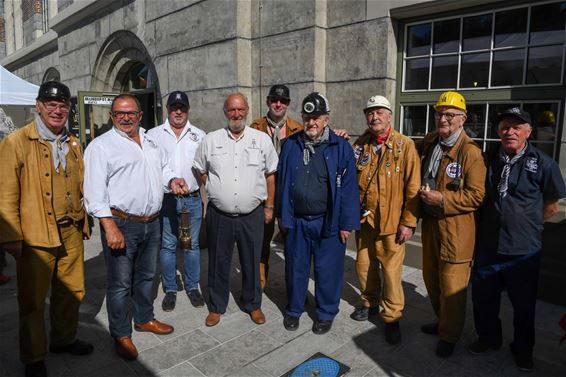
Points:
(145, 190)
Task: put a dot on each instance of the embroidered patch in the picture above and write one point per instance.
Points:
(365, 159)
(193, 136)
(397, 169)
(531, 164)
(388, 164)
(454, 170)
(400, 142)
(358, 151)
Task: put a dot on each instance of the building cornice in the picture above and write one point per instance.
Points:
(40, 46)
(437, 6)
(78, 12)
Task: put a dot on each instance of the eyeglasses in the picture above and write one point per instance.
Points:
(124, 114)
(52, 106)
(448, 116)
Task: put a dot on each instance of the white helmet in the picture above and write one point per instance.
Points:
(378, 101)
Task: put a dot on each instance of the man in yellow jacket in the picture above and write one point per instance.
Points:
(453, 176)
(389, 179)
(43, 224)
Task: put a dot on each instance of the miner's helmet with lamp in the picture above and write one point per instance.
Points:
(315, 104)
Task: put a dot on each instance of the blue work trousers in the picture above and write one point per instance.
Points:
(168, 257)
(129, 274)
(305, 242)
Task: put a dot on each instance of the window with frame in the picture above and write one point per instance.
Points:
(496, 58)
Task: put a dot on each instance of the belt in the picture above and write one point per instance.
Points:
(193, 194)
(136, 218)
(67, 221)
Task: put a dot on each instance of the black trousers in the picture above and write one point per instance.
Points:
(223, 231)
(518, 275)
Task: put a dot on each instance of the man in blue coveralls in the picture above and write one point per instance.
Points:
(523, 186)
(317, 200)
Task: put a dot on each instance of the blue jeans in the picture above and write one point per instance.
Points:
(130, 272)
(168, 258)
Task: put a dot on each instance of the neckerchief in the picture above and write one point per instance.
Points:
(59, 143)
(310, 144)
(508, 162)
(382, 138)
(436, 156)
(276, 128)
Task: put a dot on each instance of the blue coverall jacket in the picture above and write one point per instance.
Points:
(344, 197)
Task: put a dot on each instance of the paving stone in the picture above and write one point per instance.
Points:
(236, 324)
(170, 353)
(236, 354)
(250, 370)
(185, 369)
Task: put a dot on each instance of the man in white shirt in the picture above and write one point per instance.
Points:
(179, 140)
(237, 165)
(125, 175)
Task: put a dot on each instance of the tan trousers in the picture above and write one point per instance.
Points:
(62, 269)
(268, 231)
(377, 253)
(446, 284)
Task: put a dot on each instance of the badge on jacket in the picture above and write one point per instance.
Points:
(454, 170)
(531, 164)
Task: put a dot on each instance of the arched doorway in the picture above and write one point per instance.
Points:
(123, 65)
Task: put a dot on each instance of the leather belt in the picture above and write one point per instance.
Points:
(136, 218)
(193, 194)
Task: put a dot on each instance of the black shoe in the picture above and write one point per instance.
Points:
(392, 333)
(169, 301)
(362, 313)
(430, 328)
(196, 298)
(36, 369)
(290, 322)
(77, 348)
(320, 327)
(523, 360)
(444, 349)
(479, 346)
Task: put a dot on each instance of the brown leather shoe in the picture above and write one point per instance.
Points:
(257, 316)
(125, 348)
(155, 327)
(212, 319)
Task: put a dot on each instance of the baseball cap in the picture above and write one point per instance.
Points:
(178, 97)
(516, 113)
(279, 91)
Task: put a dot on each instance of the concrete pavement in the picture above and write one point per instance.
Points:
(238, 347)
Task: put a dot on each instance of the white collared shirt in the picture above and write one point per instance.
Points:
(180, 151)
(236, 168)
(121, 174)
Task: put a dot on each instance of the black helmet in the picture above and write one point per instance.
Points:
(315, 104)
(279, 91)
(54, 90)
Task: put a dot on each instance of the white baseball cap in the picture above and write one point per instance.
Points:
(378, 101)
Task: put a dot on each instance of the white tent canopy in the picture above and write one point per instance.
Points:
(16, 91)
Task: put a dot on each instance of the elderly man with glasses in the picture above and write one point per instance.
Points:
(453, 176)
(43, 224)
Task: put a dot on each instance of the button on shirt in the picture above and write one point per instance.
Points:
(180, 151)
(121, 174)
(236, 168)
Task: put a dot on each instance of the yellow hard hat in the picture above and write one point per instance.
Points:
(452, 99)
(547, 117)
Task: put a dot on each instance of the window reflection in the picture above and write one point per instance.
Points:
(508, 67)
(474, 72)
(475, 121)
(444, 72)
(476, 32)
(510, 28)
(547, 23)
(544, 116)
(416, 75)
(419, 40)
(446, 36)
(545, 64)
(414, 120)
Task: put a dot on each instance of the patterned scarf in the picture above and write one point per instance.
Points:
(59, 143)
(277, 127)
(310, 144)
(508, 162)
(436, 156)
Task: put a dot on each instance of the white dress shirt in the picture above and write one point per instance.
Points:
(180, 151)
(120, 174)
(236, 168)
